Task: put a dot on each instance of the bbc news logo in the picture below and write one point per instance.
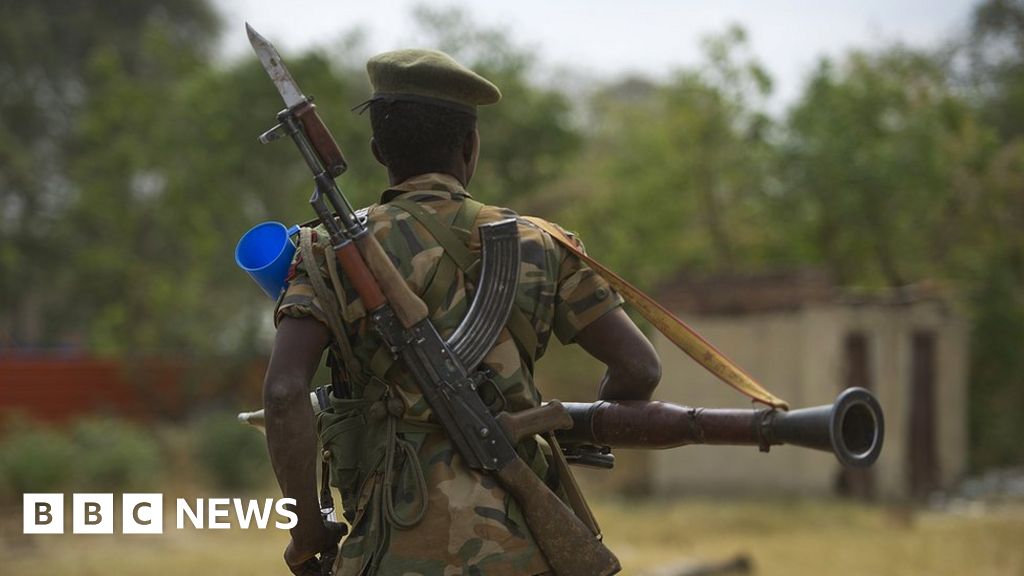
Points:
(144, 513)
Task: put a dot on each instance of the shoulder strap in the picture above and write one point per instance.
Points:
(342, 346)
(446, 236)
(677, 331)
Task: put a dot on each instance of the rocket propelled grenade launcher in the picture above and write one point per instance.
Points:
(852, 428)
(448, 373)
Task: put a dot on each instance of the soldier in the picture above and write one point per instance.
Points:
(413, 506)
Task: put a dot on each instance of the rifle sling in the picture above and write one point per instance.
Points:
(342, 347)
(668, 324)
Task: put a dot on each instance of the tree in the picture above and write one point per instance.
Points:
(52, 51)
(874, 152)
(995, 50)
(683, 166)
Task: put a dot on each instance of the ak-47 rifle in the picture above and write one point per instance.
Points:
(447, 371)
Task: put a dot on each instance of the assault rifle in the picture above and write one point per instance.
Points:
(448, 372)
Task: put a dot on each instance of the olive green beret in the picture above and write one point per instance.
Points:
(429, 76)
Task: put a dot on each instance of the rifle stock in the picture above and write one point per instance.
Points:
(555, 527)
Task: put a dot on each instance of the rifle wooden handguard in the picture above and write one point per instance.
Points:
(322, 140)
(350, 260)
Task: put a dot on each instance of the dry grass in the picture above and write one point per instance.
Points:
(815, 538)
(791, 538)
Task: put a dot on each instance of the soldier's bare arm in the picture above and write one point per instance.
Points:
(634, 368)
(291, 433)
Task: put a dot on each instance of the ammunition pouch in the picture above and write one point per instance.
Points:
(344, 436)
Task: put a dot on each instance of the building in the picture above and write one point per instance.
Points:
(805, 340)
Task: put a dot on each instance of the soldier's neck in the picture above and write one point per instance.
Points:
(457, 172)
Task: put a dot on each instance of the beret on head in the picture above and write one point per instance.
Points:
(429, 76)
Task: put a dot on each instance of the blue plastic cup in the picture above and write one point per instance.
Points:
(265, 253)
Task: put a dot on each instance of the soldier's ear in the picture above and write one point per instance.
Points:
(376, 152)
(471, 152)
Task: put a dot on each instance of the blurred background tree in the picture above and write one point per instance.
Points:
(684, 166)
(994, 273)
(59, 61)
(873, 161)
(129, 168)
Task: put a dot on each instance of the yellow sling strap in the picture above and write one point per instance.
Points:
(672, 327)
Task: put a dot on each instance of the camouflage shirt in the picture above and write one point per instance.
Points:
(469, 525)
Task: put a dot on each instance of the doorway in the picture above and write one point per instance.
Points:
(856, 483)
(923, 472)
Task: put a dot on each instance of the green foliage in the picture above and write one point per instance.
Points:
(33, 458)
(59, 60)
(997, 370)
(873, 156)
(231, 455)
(996, 68)
(683, 166)
(114, 455)
(98, 454)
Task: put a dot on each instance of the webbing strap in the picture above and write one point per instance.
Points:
(524, 334)
(677, 331)
(327, 301)
(454, 248)
(381, 362)
(444, 274)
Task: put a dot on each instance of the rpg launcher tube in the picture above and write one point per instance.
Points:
(852, 428)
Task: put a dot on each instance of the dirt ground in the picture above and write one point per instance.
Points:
(791, 538)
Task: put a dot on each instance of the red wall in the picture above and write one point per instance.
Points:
(58, 389)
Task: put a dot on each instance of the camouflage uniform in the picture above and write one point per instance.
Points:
(415, 508)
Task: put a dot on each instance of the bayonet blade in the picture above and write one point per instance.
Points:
(275, 68)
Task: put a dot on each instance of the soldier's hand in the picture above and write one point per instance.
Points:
(304, 562)
(310, 567)
(301, 563)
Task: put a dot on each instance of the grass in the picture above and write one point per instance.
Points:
(791, 538)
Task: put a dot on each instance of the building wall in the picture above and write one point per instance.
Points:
(768, 346)
(799, 356)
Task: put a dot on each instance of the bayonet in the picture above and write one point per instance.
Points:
(275, 68)
(299, 107)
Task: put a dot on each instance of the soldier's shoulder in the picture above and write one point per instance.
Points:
(489, 213)
(528, 231)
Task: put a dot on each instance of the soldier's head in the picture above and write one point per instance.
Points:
(423, 113)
